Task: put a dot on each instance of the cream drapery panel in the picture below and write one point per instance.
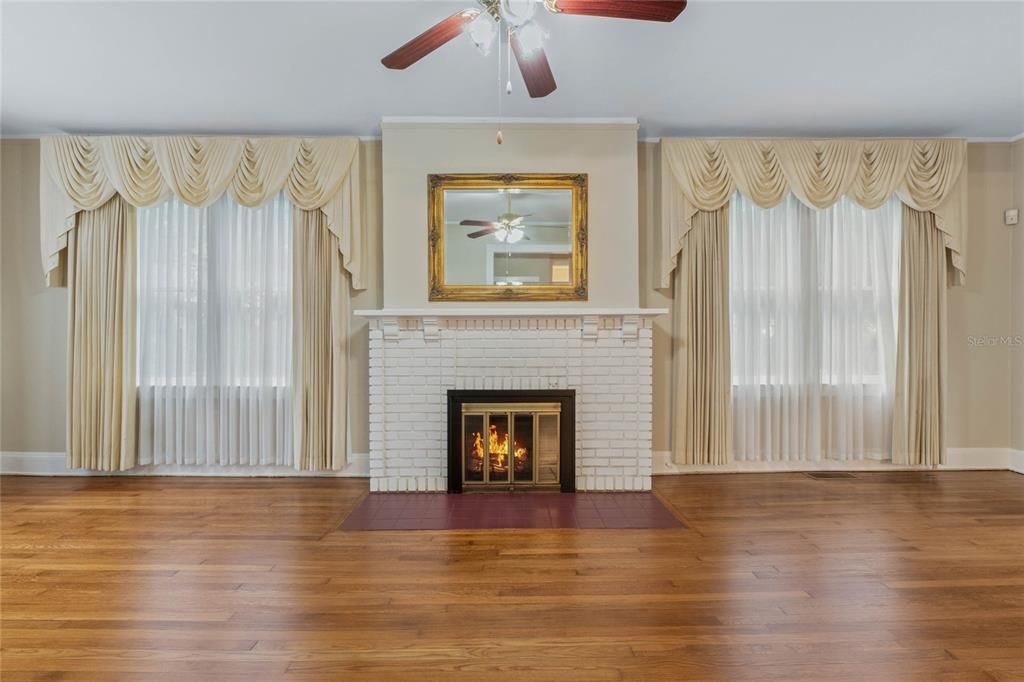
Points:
(319, 345)
(701, 175)
(79, 173)
(917, 434)
(101, 338)
(702, 405)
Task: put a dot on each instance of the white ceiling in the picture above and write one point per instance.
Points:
(723, 68)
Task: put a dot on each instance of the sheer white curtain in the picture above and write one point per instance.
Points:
(813, 305)
(215, 333)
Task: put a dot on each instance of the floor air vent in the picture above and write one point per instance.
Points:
(825, 475)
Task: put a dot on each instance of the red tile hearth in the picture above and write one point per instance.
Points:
(439, 511)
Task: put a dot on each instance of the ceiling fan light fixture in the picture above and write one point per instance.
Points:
(518, 12)
(482, 31)
(517, 16)
(514, 235)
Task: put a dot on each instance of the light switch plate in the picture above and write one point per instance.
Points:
(1011, 216)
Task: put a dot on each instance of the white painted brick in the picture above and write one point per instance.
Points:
(409, 377)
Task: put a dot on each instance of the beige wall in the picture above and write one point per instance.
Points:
(1017, 351)
(33, 328)
(606, 152)
(978, 411)
(33, 320)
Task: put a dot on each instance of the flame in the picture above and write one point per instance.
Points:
(498, 447)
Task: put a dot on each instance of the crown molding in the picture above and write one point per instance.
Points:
(508, 120)
(970, 140)
(995, 140)
(29, 136)
(559, 121)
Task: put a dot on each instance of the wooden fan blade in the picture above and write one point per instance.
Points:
(646, 10)
(428, 41)
(480, 223)
(533, 64)
(482, 233)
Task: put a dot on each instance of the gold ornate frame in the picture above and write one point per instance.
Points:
(575, 290)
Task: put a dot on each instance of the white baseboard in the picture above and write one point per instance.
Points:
(957, 459)
(1017, 461)
(977, 458)
(54, 464)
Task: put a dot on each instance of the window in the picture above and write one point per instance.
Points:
(215, 333)
(813, 307)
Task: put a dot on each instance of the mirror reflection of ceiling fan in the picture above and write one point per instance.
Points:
(525, 36)
(507, 228)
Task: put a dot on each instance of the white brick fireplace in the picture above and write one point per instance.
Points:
(417, 356)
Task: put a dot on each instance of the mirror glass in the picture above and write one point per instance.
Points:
(508, 236)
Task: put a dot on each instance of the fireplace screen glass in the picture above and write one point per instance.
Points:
(510, 445)
(473, 447)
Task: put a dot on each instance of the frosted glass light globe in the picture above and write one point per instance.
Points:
(482, 31)
(518, 12)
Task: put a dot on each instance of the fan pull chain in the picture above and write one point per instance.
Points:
(508, 62)
(500, 137)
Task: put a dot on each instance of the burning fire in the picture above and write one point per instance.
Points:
(498, 447)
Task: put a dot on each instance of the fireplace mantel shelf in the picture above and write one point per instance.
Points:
(564, 311)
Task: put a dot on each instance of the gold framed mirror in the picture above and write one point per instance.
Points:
(507, 237)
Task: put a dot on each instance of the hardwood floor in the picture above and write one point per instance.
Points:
(895, 576)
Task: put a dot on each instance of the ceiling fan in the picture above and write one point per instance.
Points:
(524, 35)
(507, 228)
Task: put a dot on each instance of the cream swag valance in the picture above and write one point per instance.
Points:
(701, 175)
(82, 173)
